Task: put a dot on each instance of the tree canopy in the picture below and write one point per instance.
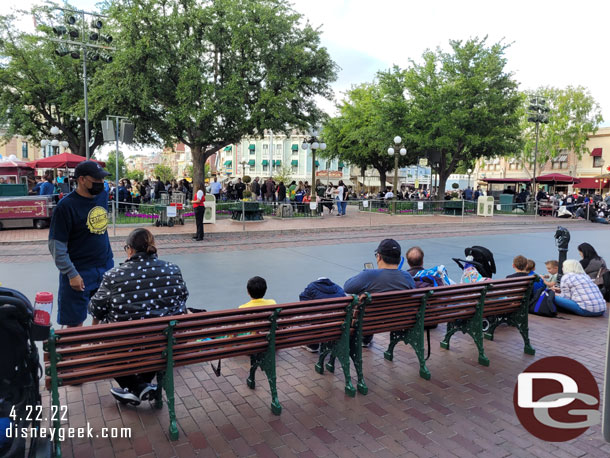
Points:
(573, 116)
(370, 117)
(207, 73)
(39, 89)
(464, 105)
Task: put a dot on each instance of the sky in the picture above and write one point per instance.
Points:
(552, 43)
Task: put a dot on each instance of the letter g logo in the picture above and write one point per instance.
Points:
(556, 399)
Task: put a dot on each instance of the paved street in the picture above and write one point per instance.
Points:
(464, 410)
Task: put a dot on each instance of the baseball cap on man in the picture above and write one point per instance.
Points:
(90, 169)
(389, 248)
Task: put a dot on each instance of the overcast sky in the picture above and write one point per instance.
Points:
(555, 43)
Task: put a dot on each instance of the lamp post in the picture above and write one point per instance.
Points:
(243, 168)
(86, 36)
(391, 152)
(313, 142)
(469, 173)
(55, 143)
(538, 113)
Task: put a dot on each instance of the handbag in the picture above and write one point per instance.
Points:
(599, 278)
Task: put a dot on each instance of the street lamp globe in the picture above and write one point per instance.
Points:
(391, 151)
(469, 171)
(322, 146)
(54, 131)
(315, 145)
(397, 140)
(64, 144)
(305, 145)
(55, 142)
(403, 151)
(44, 143)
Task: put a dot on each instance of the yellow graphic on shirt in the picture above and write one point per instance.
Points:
(97, 220)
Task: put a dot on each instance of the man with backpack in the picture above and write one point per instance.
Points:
(415, 260)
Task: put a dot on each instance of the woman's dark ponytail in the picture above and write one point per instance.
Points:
(142, 241)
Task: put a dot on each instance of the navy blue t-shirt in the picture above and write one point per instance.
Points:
(379, 281)
(82, 223)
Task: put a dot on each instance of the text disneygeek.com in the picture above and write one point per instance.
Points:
(64, 433)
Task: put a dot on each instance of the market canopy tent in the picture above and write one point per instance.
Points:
(557, 178)
(59, 161)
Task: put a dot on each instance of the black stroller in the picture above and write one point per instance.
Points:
(20, 372)
(481, 259)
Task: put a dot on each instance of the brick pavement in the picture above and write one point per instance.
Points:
(465, 410)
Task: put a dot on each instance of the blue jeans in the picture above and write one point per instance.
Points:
(341, 206)
(569, 305)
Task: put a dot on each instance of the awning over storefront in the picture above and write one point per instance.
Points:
(251, 162)
(294, 162)
(597, 152)
(228, 163)
(295, 147)
(228, 148)
(265, 162)
(317, 163)
(592, 183)
(277, 162)
(252, 147)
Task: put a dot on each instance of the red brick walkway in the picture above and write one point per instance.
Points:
(464, 410)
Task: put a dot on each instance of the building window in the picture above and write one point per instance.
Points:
(265, 147)
(598, 161)
(295, 169)
(265, 168)
(24, 150)
(278, 149)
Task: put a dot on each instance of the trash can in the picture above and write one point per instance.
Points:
(506, 202)
(485, 206)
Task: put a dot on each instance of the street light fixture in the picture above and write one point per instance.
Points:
(55, 143)
(314, 143)
(538, 113)
(469, 172)
(82, 44)
(403, 152)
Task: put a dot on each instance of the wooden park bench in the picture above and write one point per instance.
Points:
(78, 355)
(406, 314)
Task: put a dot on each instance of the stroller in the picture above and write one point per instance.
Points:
(20, 372)
(479, 265)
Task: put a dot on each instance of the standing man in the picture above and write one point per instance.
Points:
(215, 189)
(78, 242)
(199, 206)
(239, 189)
(255, 187)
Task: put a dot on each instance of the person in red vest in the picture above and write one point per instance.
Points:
(199, 206)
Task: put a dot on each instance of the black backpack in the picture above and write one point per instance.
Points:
(543, 303)
(20, 370)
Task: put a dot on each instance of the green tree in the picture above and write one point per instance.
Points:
(209, 73)
(39, 89)
(164, 172)
(464, 105)
(370, 117)
(573, 116)
(111, 166)
(135, 175)
(283, 175)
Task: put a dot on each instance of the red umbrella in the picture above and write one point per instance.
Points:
(557, 178)
(59, 161)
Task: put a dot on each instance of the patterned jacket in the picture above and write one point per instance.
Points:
(581, 289)
(141, 287)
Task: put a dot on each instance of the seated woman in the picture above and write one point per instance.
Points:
(591, 262)
(141, 287)
(578, 293)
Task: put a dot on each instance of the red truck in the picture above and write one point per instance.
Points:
(25, 211)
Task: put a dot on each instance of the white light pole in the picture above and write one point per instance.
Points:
(403, 152)
(314, 143)
(469, 172)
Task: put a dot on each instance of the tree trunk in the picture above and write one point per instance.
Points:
(198, 167)
(382, 179)
(442, 182)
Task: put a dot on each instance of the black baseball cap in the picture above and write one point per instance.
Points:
(389, 248)
(90, 169)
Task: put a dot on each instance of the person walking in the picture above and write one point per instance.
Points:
(78, 242)
(215, 189)
(199, 206)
